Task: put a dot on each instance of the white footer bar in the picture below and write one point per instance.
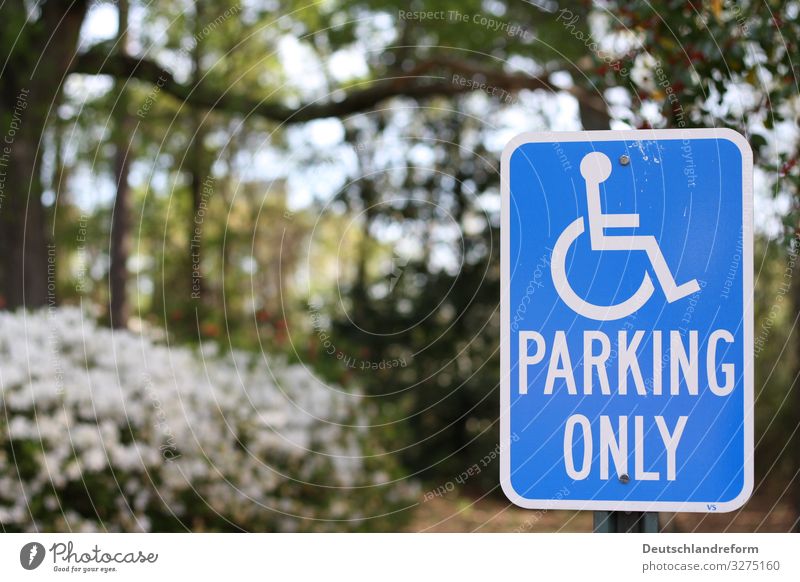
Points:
(399, 557)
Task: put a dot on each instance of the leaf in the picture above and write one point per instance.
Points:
(757, 140)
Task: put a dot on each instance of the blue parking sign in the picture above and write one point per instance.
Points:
(627, 320)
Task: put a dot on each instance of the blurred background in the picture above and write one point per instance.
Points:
(249, 251)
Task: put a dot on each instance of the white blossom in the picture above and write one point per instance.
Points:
(106, 430)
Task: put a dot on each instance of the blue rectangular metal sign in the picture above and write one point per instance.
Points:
(627, 320)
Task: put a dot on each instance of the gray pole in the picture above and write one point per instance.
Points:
(625, 522)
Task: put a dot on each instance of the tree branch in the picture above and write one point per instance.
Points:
(591, 104)
(425, 80)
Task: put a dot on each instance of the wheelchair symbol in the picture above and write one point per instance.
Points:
(595, 169)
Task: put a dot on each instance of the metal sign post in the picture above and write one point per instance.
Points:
(627, 323)
(625, 522)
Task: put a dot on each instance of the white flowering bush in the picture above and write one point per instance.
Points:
(108, 430)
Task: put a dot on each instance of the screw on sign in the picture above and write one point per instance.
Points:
(629, 379)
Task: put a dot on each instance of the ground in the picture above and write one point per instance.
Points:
(490, 514)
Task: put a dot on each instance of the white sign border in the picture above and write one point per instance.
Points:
(747, 297)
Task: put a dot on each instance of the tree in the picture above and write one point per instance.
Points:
(41, 48)
(37, 54)
(120, 216)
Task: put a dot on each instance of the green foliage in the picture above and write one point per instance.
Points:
(776, 361)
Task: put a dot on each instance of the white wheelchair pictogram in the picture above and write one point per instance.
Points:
(595, 169)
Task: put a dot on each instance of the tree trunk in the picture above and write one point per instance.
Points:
(120, 237)
(30, 88)
(120, 219)
(593, 118)
(25, 241)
